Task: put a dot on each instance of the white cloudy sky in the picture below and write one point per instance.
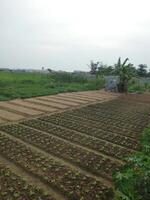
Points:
(67, 34)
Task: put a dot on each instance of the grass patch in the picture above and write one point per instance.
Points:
(24, 85)
(136, 86)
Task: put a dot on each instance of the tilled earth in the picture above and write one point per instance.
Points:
(69, 152)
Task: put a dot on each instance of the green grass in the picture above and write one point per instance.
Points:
(23, 85)
(136, 86)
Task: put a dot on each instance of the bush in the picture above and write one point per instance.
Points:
(136, 86)
(66, 77)
(98, 83)
(133, 181)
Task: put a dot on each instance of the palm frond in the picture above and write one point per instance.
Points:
(125, 61)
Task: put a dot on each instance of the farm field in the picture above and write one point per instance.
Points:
(70, 154)
(20, 109)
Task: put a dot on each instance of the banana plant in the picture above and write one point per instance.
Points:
(125, 72)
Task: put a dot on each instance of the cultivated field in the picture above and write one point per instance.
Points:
(70, 155)
(20, 109)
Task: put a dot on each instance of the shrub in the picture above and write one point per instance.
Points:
(133, 181)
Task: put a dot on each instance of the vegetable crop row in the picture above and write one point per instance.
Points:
(87, 129)
(13, 187)
(121, 107)
(98, 123)
(116, 103)
(71, 183)
(122, 115)
(118, 119)
(96, 144)
(95, 163)
(118, 112)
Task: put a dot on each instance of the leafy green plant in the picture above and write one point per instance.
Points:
(133, 181)
(125, 72)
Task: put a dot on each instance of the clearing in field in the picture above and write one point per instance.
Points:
(70, 155)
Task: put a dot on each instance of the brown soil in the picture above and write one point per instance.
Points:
(31, 104)
(50, 102)
(64, 101)
(19, 109)
(71, 99)
(78, 97)
(9, 116)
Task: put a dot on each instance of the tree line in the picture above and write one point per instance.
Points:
(98, 68)
(124, 70)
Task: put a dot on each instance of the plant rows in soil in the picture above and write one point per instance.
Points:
(88, 138)
(127, 122)
(125, 105)
(14, 187)
(94, 163)
(127, 118)
(120, 120)
(114, 118)
(101, 124)
(121, 109)
(93, 143)
(87, 129)
(71, 183)
(120, 106)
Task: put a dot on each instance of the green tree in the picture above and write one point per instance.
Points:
(125, 72)
(105, 70)
(142, 70)
(93, 67)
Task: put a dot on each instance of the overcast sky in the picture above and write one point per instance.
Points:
(67, 34)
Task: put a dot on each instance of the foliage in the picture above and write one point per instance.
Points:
(136, 86)
(105, 70)
(133, 181)
(65, 77)
(142, 70)
(125, 72)
(23, 85)
(93, 67)
(100, 69)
